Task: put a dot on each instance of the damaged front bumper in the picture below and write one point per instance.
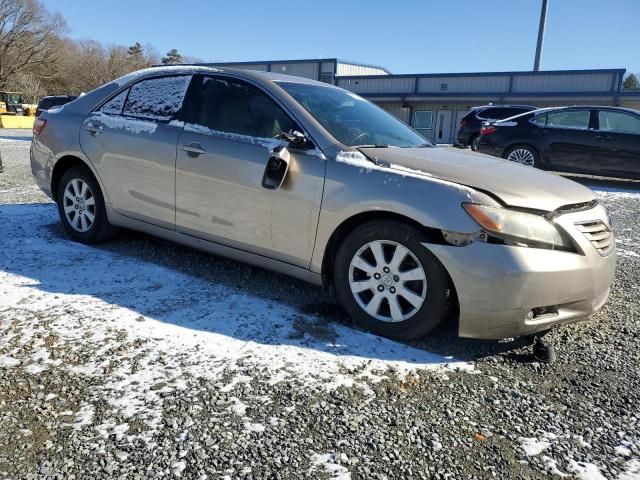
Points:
(510, 291)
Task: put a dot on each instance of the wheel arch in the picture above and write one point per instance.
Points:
(348, 225)
(63, 164)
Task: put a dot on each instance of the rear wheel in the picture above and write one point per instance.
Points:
(389, 282)
(523, 154)
(473, 143)
(81, 206)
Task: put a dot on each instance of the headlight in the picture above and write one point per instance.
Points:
(519, 228)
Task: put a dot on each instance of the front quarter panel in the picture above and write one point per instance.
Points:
(352, 189)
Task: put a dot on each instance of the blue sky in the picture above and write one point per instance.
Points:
(406, 36)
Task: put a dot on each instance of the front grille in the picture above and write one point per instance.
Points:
(599, 234)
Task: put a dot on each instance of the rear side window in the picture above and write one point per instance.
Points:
(618, 122)
(572, 119)
(232, 106)
(540, 120)
(114, 106)
(157, 98)
(487, 113)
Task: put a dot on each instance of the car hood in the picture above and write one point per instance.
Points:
(515, 185)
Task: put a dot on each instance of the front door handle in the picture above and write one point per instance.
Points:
(93, 128)
(603, 138)
(193, 149)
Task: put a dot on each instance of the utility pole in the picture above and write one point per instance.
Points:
(541, 29)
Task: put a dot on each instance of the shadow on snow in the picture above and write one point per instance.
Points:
(195, 290)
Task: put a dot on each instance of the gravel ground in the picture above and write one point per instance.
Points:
(143, 359)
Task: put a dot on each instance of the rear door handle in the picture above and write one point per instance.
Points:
(93, 128)
(193, 149)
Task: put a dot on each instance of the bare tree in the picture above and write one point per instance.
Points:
(30, 86)
(27, 34)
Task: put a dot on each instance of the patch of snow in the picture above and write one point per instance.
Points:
(176, 123)
(157, 98)
(130, 125)
(115, 105)
(238, 407)
(327, 464)
(169, 69)
(534, 446)
(7, 361)
(622, 451)
(355, 159)
(253, 427)
(585, 470)
(179, 467)
(269, 143)
(84, 416)
(631, 470)
(552, 466)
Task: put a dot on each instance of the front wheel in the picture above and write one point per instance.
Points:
(81, 206)
(524, 155)
(389, 282)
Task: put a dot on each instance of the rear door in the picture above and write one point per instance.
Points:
(222, 155)
(568, 138)
(131, 139)
(618, 143)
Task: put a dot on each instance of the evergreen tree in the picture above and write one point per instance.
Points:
(631, 82)
(135, 51)
(172, 57)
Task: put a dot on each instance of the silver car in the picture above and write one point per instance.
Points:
(315, 182)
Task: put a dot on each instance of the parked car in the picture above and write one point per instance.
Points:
(51, 101)
(300, 177)
(471, 123)
(592, 140)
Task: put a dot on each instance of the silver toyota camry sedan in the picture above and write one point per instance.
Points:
(315, 182)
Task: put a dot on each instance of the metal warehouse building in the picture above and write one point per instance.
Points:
(434, 104)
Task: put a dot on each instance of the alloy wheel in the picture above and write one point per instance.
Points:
(523, 156)
(79, 205)
(387, 281)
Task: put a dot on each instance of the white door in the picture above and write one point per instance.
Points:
(443, 126)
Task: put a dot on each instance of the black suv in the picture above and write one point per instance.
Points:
(471, 123)
(51, 101)
(593, 140)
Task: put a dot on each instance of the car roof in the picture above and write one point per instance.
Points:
(588, 107)
(257, 75)
(503, 106)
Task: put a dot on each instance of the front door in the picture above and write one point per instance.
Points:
(618, 144)
(443, 126)
(132, 144)
(222, 155)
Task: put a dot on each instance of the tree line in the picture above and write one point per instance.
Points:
(38, 59)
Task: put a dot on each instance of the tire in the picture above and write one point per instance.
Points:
(89, 201)
(416, 319)
(527, 155)
(473, 142)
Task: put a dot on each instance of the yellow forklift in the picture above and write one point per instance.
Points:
(13, 114)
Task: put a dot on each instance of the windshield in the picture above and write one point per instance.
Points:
(14, 98)
(352, 120)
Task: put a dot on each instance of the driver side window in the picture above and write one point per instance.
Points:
(232, 106)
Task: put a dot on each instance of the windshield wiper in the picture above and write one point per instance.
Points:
(371, 146)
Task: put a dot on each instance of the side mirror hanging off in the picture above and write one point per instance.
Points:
(276, 169)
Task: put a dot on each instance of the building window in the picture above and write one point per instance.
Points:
(444, 86)
(422, 119)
